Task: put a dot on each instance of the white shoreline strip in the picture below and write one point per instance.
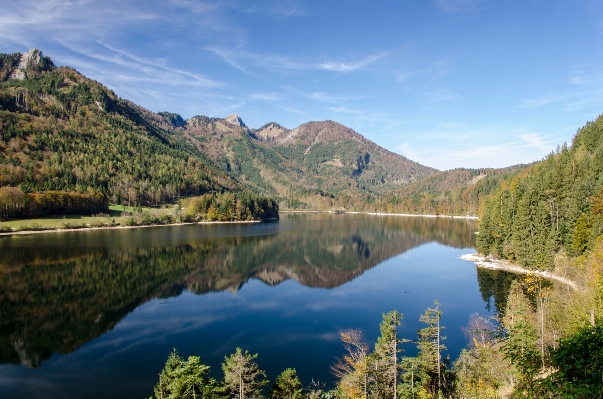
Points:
(495, 264)
(382, 214)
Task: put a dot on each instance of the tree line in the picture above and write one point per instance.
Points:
(228, 206)
(498, 363)
(361, 373)
(550, 217)
(14, 203)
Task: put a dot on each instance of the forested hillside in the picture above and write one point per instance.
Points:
(548, 216)
(318, 165)
(452, 192)
(554, 207)
(62, 131)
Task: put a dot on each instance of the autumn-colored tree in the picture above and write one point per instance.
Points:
(353, 369)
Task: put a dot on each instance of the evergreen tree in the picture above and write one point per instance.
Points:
(385, 366)
(181, 379)
(287, 386)
(430, 346)
(242, 376)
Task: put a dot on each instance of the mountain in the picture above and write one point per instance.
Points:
(316, 165)
(63, 131)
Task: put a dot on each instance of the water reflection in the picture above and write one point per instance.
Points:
(59, 291)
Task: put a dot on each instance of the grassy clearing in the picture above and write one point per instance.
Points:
(117, 215)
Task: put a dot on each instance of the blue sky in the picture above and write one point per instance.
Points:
(448, 83)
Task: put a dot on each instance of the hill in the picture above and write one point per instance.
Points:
(452, 192)
(548, 217)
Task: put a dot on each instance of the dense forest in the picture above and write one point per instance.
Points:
(61, 131)
(550, 217)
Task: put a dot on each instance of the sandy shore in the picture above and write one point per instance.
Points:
(122, 227)
(496, 264)
(415, 215)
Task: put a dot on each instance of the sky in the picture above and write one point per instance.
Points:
(447, 83)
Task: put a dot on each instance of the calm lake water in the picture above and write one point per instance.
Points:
(95, 314)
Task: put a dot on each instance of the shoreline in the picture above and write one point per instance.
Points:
(383, 214)
(496, 264)
(26, 232)
(59, 230)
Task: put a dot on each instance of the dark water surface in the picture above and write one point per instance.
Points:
(94, 314)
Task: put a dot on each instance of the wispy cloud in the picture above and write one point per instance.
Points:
(536, 140)
(268, 97)
(347, 67)
(332, 98)
(432, 71)
(405, 150)
(281, 9)
(539, 102)
(239, 56)
(440, 95)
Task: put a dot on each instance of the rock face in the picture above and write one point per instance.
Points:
(30, 59)
(235, 120)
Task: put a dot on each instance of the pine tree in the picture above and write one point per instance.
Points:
(287, 386)
(242, 376)
(181, 379)
(384, 361)
(430, 344)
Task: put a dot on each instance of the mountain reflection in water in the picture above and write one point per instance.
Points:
(59, 291)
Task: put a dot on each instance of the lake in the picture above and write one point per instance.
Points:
(95, 313)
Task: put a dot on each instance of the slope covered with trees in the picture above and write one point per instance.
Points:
(62, 131)
(318, 165)
(453, 192)
(547, 217)
(552, 208)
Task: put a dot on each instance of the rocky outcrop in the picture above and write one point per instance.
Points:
(31, 60)
(235, 120)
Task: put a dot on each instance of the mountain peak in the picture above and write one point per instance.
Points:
(32, 60)
(235, 120)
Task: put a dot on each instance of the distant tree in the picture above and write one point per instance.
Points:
(12, 200)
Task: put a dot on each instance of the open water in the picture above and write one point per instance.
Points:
(95, 313)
